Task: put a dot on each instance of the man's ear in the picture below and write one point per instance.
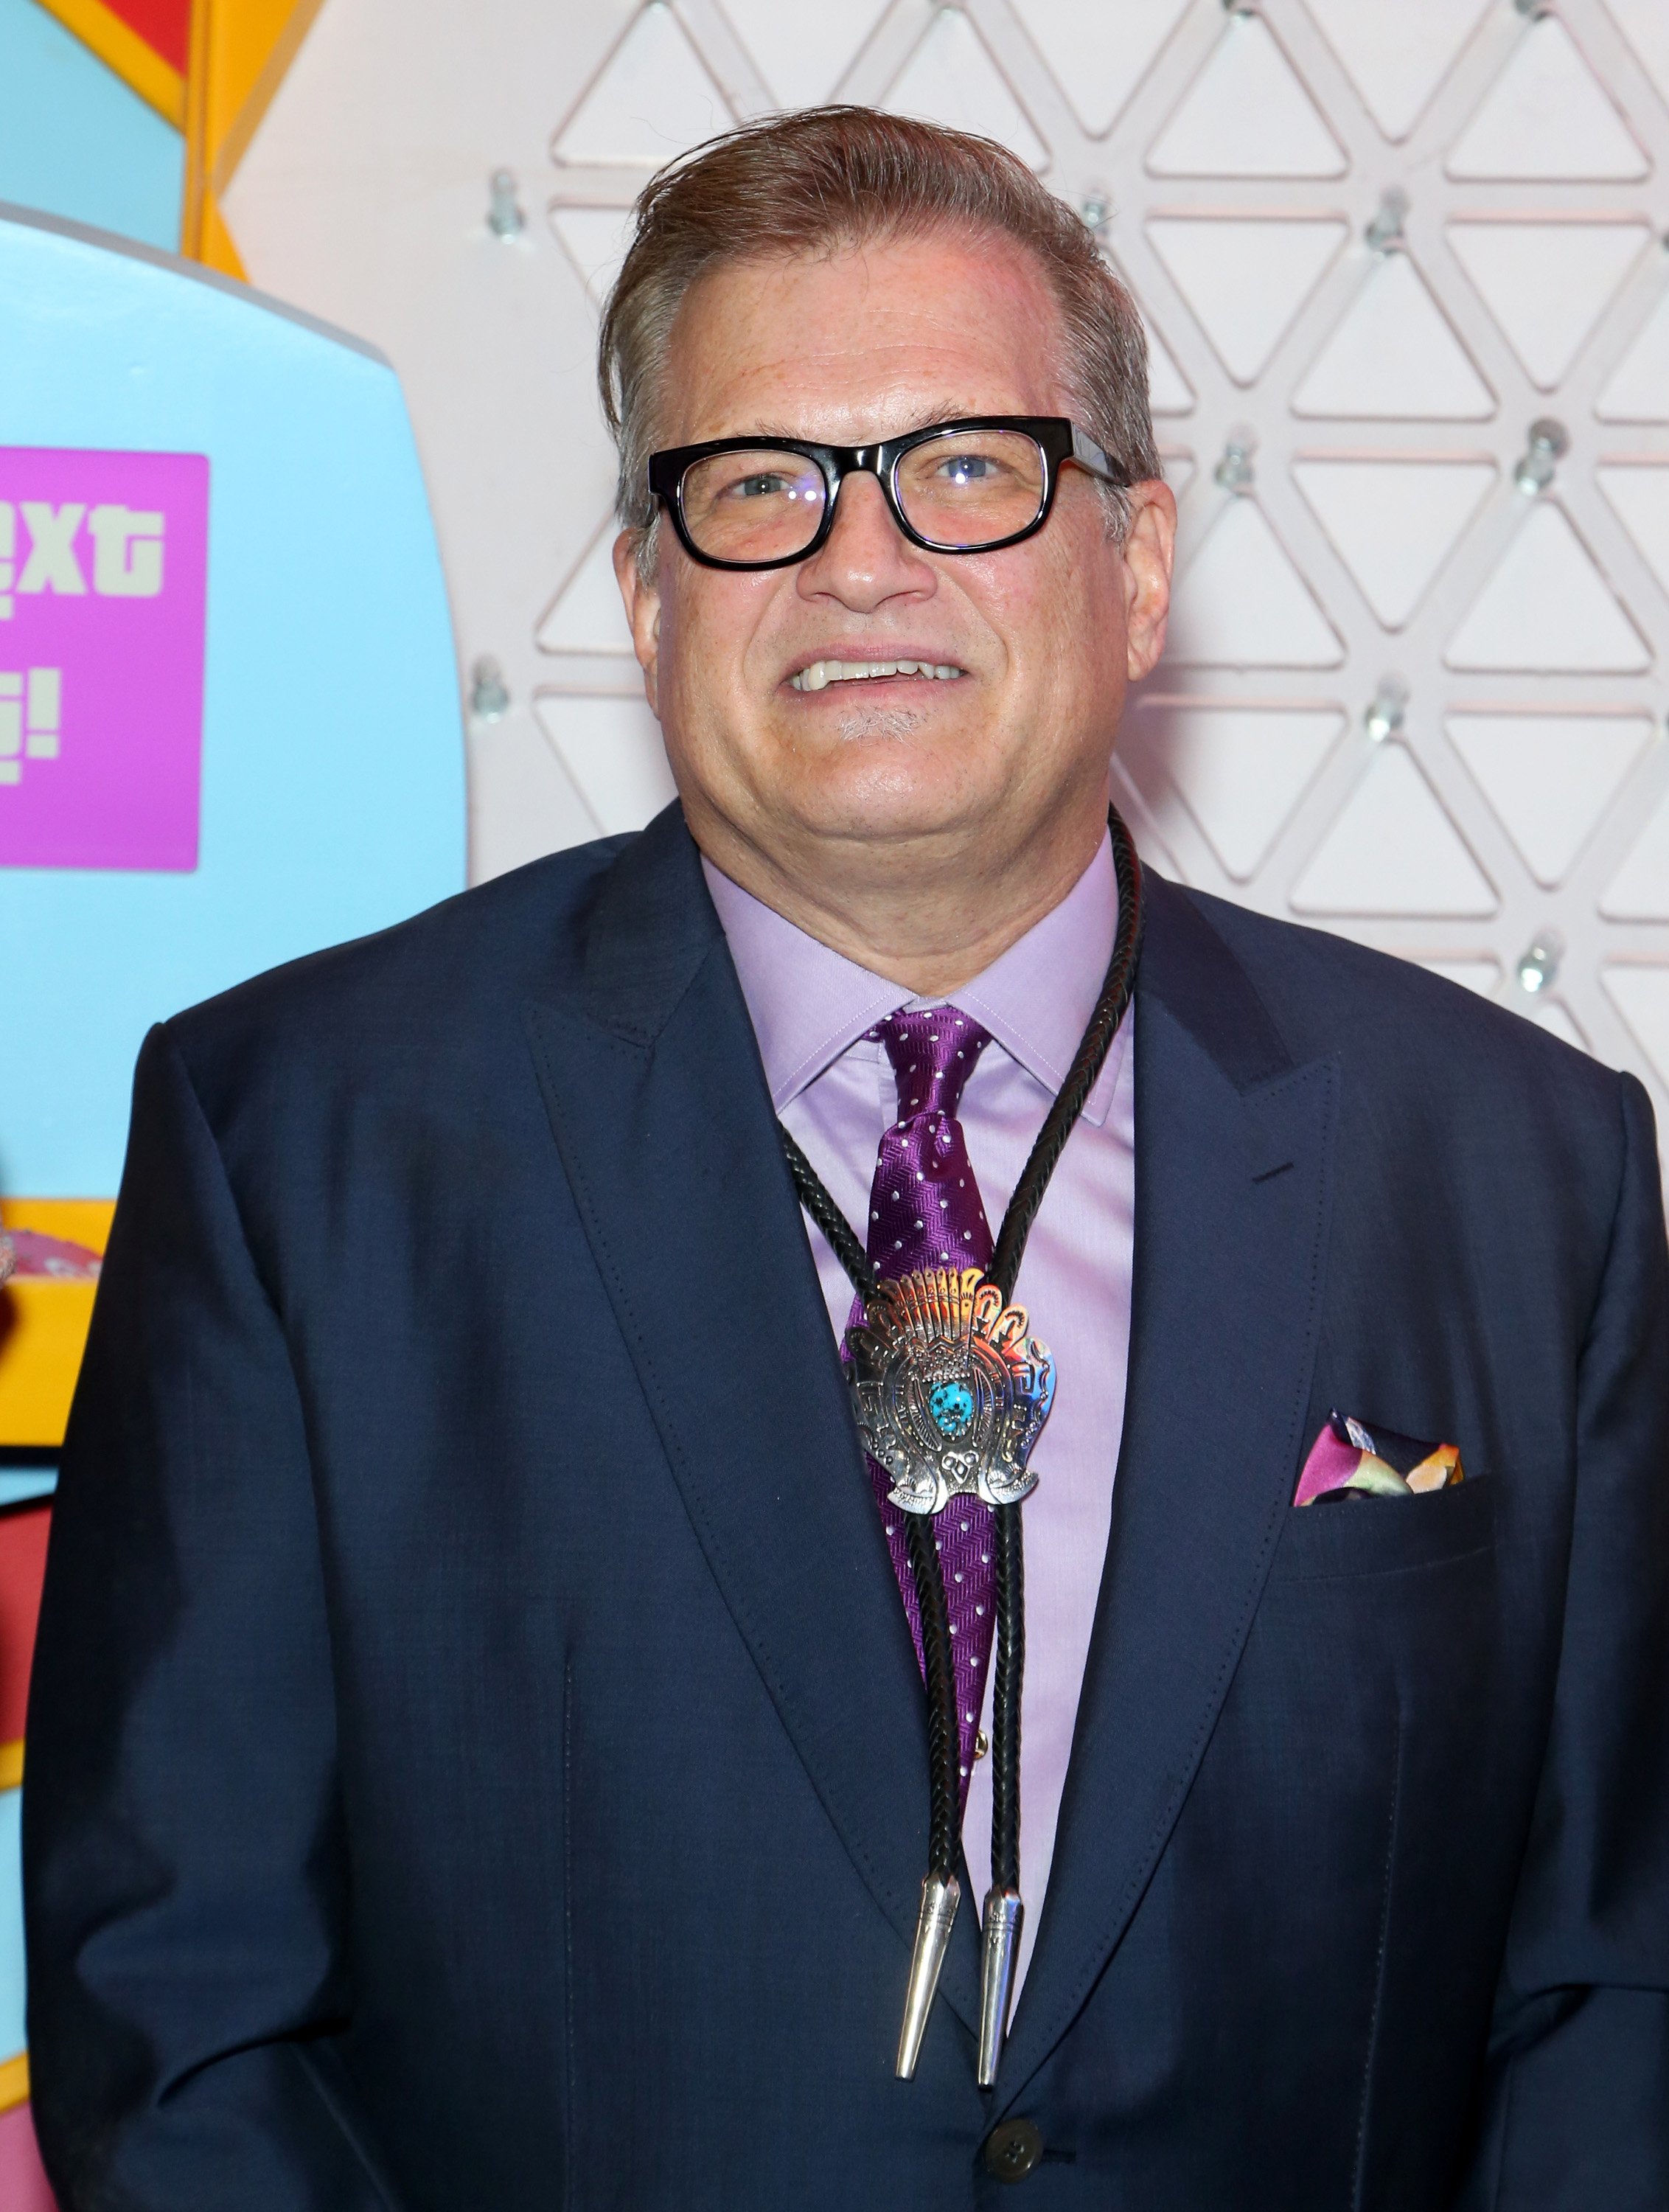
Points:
(1149, 546)
(642, 602)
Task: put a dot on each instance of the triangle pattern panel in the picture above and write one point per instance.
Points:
(1640, 492)
(1547, 284)
(1549, 777)
(1239, 770)
(803, 53)
(1392, 356)
(586, 615)
(1645, 24)
(518, 789)
(1397, 56)
(1099, 49)
(654, 97)
(1392, 850)
(595, 239)
(1640, 995)
(951, 78)
(1245, 277)
(1239, 602)
(1546, 115)
(1639, 891)
(1393, 523)
(1546, 608)
(1180, 469)
(1246, 114)
(1638, 391)
(1169, 391)
(612, 748)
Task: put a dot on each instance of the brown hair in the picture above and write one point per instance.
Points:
(827, 178)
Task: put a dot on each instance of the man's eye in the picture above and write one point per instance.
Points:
(968, 468)
(766, 484)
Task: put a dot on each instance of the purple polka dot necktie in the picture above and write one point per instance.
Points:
(926, 1212)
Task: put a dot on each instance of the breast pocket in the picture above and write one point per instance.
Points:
(1386, 1535)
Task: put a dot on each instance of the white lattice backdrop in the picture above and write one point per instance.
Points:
(1417, 685)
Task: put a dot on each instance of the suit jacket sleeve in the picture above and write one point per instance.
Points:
(183, 1862)
(1577, 2112)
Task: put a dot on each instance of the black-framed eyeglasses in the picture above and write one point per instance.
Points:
(970, 486)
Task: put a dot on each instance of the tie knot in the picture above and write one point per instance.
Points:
(933, 1051)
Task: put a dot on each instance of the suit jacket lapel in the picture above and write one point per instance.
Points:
(659, 1109)
(1232, 1159)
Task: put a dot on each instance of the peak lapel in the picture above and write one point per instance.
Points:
(658, 1105)
(1232, 1153)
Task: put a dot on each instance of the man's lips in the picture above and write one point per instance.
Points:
(819, 674)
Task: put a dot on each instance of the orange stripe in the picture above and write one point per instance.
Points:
(273, 43)
(11, 1764)
(14, 2081)
(140, 67)
(239, 51)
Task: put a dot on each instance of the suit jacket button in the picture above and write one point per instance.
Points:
(1013, 2149)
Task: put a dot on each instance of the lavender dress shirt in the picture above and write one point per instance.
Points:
(835, 1091)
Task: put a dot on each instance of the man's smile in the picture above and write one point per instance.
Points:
(820, 674)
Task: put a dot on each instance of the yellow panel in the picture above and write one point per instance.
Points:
(240, 50)
(140, 67)
(43, 1323)
(216, 248)
(11, 1765)
(255, 42)
(14, 2081)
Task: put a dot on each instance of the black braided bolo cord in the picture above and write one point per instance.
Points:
(837, 1230)
(1008, 1675)
(1087, 1065)
(945, 1781)
(1010, 1558)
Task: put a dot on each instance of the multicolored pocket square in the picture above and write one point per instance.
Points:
(1349, 1460)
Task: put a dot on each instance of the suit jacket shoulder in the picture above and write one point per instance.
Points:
(358, 1011)
(1410, 1035)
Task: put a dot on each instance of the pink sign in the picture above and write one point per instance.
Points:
(103, 566)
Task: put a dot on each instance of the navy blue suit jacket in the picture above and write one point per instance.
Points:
(476, 1756)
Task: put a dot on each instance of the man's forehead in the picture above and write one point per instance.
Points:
(863, 344)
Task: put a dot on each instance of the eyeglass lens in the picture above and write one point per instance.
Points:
(962, 490)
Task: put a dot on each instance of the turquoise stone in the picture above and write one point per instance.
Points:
(952, 1407)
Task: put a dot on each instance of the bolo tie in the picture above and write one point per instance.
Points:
(950, 1389)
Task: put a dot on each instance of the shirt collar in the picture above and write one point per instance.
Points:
(809, 1004)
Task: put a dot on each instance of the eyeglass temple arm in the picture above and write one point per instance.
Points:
(1089, 455)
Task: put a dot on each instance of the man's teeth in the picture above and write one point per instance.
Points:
(822, 673)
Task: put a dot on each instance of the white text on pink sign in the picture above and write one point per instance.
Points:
(37, 550)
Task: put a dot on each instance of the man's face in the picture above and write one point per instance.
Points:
(1046, 634)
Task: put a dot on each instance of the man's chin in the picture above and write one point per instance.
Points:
(886, 779)
(884, 811)
(883, 763)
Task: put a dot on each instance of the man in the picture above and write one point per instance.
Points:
(480, 1753)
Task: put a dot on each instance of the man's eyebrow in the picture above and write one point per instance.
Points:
(928, 418)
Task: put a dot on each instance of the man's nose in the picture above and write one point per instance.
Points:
(866, 559)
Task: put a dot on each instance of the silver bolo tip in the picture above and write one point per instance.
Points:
(940, 1896)
(1004, 1914)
